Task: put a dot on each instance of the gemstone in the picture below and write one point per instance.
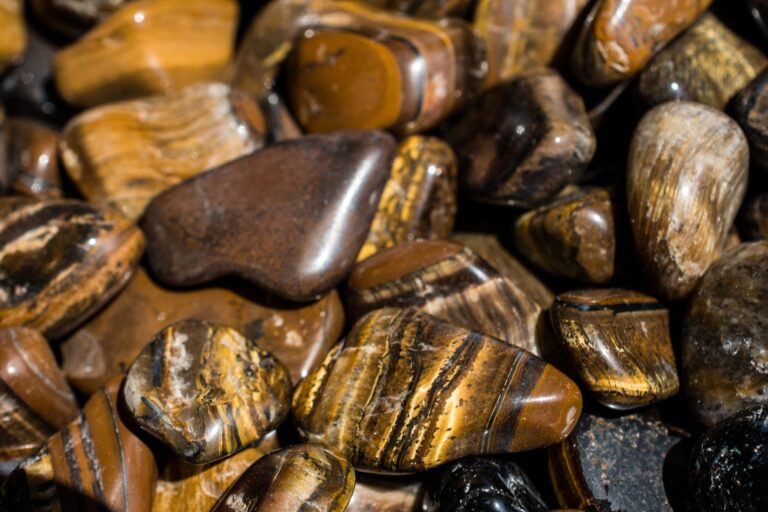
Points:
(13, 38)
(750, 110)
(71, 19)
(431, 9)
(32, 162)
(377, 493)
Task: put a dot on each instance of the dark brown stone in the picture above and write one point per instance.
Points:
(750, 109)
(32, 161)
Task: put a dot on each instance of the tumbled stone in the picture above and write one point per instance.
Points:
(13, 37)
(687, 175)
(476, 484)
(524, 140)
(419, 199)
(750, 110)
(71, 18)
(431, 9)
(725, 336)
(316, 198)
(148, 47)
(96, 462)
(60, 261)
(297, 335)
(729, 465)
(206, 390)
(612, 464)
(378, 493)
(619, 37)
(619, 343)
(32, 163)
(405, 392)
(301, 477)
(754, 218)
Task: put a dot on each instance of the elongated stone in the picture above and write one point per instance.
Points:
(750, 110)
(148, 47)
(406, 392)
(71, 18)
(754, 218)
(524, 140)
(206, 390)
(687, 176)
(211, 226)
(301, 477)
(419, 199)
(619, 342)
(377, 493)
(95, 462)
(13, 37)
(60, 261)
(32, 165)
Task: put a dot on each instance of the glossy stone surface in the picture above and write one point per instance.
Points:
(612, 464)
(708, 64)
(96, 462)
(301, 477)
(377, 493)
(13, 37)
(405, 392)
(729, 465)
(750, 110)
(450, 282)
(148, 47)
(477, 484)
(419, 199)
(32, 165)
(759, 11)
(619, 37)
(60, 261)
(430, 9)
(71, 18)
(317, 197)
(725, 336)
(206, 390)
(687, 175)
(572, 236)
(524, 140)
(754, 218)
(619, 342)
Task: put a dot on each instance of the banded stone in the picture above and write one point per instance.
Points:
(13, 37)
(377, 493)
(32, 166)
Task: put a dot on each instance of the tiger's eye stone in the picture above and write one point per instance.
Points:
(572, 236)
(297, 335)
(406, 392)
(612, 464)
(687, 175)
(477, 484)
(754, 218)
(434, 9)
(619, 343)
(725, 336)
(377, 493)
(32, 164)
(95, 463)
(450, 282)
(71, 18)
(206, 390)
(619, 37)
(521, 35)
(60, 261)
(419, 199)
(35, 399)
(729, 465)
(708, 64)
(750, 110)
(524, 140)
(148, 47)
(13, 37)
(317, 197)
(301, 477)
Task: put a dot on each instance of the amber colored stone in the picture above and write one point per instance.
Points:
(708, 64)
(687, 175)
(754, 218)
(60, 261)
(523, 140)
(405, 392)
(206, 390)
(317, 196)
(521, 35)
(434, 9)
(71, 18)
(725, 336)
(13, 37)
(95, 463)
(32, 164)
(419, 199)
(619, 343)
(619, 37)
(750, 110)
(148, 47)
(378, 493)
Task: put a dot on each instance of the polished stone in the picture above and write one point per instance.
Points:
(429, 9)
(750, 109)
(13, 37)
(386, 493)
(72, 18)
(32, 161)
(754, 218)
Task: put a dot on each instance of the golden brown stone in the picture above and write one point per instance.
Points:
(32, 163)
(13, 36)
(374, 493)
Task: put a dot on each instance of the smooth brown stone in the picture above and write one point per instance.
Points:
(96, 462)
(405, 392)
(60, 261)
(148, 47)
(687, 175)
(374, 493)
(708, 64)
(725, 336)
(521, 35)
(13, 36)
(419, 199)
(524, 140)
(71, 18)
(619, 37)
(297, 335)
(750, 110)
(429, 9)
(619, 343)
(754, 217)
(32, 164)
(206, 390)
(572, 236)
(298, 238)
(301, 477)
